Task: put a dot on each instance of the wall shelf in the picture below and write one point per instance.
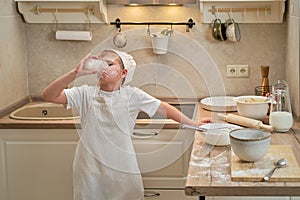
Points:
(243, 11)
(63, 11)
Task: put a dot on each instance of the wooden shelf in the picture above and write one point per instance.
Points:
(66, 11)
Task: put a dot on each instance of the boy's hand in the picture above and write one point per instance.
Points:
(204, 121)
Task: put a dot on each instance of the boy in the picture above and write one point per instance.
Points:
(105, 165)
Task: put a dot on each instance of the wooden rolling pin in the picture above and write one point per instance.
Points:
(244, 121)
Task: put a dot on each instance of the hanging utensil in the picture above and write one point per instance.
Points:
(167, 32)
(219, 30)
(120, 40)
(233, 32)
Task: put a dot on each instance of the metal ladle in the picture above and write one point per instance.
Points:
(279, 164)
(198, 128)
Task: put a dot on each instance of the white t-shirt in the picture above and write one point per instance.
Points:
(79, 98)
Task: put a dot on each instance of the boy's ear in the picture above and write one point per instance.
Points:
(124, 72)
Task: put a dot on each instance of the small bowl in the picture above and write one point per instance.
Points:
(217, 134)
(255, 107)
(250, 145)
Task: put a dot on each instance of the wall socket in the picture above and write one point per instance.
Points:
(237, 71)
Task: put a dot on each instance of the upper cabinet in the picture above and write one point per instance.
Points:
(63, 11)
(243, 11)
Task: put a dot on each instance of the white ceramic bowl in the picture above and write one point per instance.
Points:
(255, 107)
(250, 144)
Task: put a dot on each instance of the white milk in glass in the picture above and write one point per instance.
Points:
(281, 112)
(94, 64)
(281, 121)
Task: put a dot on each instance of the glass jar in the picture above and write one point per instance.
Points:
(94, 64)
(281, 117)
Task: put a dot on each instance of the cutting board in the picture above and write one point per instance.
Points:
(255, 171)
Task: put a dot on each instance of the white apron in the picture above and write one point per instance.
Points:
(105, 165)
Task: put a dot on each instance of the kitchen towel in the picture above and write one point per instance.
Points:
(74, 35)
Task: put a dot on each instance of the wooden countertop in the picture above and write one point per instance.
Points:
(210, 170)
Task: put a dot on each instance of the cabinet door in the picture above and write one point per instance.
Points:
(38, 166)
(164, 158)
(164, 154)
(39, 170)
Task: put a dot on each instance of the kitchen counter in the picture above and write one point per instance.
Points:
(9, 123)
(208, 176)
(6, 122)
(45, 149)
(210, 170)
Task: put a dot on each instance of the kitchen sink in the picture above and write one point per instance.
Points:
(52, 111)
(43, 111)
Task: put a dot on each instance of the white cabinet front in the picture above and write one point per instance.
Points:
(42, 175)
(164, 158)
(36, 166)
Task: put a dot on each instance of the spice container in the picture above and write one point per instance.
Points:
(264, 89)
(264, 73)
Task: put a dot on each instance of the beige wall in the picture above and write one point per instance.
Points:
(292, 60)
(13, 64)
(194, 66)
(261, 44)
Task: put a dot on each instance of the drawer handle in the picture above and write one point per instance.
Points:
(151, 194)
(144, 135)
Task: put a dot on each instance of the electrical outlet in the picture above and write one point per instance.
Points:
(237, 71)
(242, 70)
(231, 71)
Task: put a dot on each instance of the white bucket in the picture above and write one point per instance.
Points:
(159, 43)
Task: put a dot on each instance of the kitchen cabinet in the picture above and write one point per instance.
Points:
(37, 163)
(163, 158)
(63, 11)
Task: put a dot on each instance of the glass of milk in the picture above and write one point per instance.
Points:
(95, 64)
(281, 117)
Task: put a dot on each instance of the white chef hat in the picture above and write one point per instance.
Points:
(128, 63)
